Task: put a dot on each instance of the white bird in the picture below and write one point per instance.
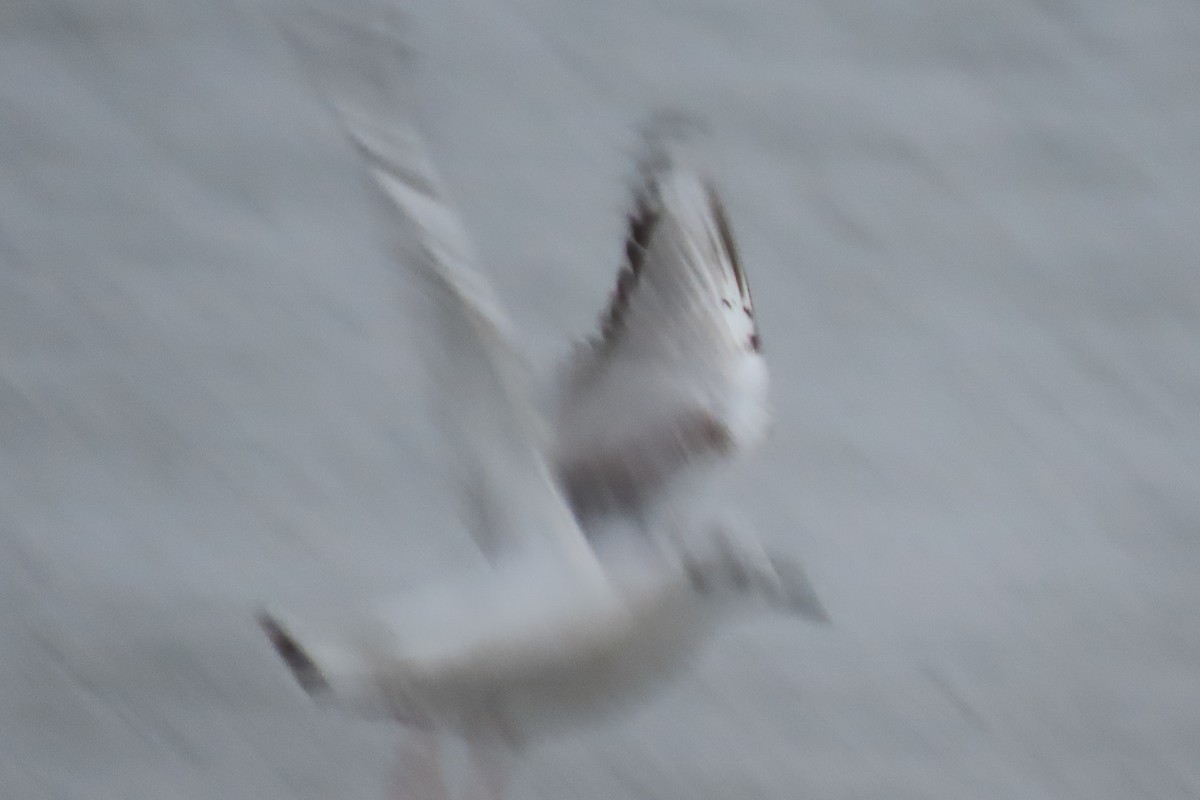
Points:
(558, 628)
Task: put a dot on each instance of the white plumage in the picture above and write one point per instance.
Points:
(562, 624)
(676, 381)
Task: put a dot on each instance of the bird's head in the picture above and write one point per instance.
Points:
(737, 570)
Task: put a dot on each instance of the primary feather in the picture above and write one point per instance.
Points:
(676, 379)
(481, 383)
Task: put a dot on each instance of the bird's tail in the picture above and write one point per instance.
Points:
(304, 669)
(332, 672)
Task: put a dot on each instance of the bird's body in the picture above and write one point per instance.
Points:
(523, 649)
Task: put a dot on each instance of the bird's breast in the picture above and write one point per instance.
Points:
(657, 639)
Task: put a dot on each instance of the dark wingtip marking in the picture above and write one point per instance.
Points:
(727, 242)
(639, 230)
(303, 668)
(725, 231)
(641, 224)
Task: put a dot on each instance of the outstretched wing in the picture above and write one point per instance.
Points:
(682, 296)
(481, 381)
(676, 377)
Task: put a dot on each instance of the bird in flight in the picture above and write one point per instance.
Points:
(590, 598)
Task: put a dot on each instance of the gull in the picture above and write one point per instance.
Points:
(562, 625)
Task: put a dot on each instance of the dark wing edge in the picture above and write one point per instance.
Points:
(662, 155)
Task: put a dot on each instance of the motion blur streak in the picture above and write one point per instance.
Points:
(977, 223)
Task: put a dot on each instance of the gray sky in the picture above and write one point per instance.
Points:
(971, 232)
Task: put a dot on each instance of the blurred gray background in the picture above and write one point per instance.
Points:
(971, 228)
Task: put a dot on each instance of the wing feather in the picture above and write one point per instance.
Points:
(483, 390)
(676, 377)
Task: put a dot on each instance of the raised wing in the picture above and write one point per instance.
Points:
(482, 382)
(676, 377)
(681, 295)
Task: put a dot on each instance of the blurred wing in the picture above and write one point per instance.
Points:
(676, 375)
(681, 295)
(482, 382)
